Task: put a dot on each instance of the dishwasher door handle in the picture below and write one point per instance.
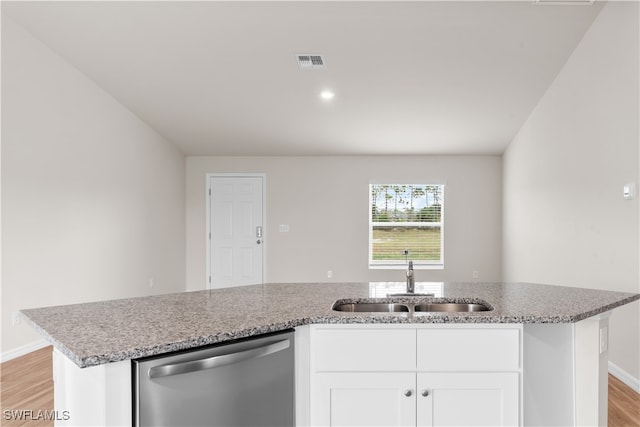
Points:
(217, 361)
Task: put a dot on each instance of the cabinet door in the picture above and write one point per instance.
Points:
(468, 399)
(364, 399)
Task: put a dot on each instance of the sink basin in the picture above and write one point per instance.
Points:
(450, 307)
(369, 307)
(410, 307)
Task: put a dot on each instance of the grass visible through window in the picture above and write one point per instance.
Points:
(423, 244)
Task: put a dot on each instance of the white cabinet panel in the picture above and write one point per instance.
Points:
(468, 399)
(359, 349)
(364, 399)
(94, 396)
(454, 349)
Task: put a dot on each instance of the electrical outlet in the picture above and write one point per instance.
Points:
(475, 274)
(604, 339)
(15, 318)
(329, 274)
(629, 191)
(151, 282)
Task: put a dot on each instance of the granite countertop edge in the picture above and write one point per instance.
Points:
(321, 316)
(56, 343)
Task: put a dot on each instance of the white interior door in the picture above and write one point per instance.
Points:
(236, 237)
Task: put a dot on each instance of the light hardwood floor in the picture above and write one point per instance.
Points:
(624, 404)
(27, 384)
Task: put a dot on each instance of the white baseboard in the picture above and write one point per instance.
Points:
(624, 376)
(22, 350)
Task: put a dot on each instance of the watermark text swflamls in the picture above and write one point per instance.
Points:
(36, 415)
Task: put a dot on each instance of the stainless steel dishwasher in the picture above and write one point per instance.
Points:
(244, 383)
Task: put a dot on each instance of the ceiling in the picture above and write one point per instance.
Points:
(221, 78)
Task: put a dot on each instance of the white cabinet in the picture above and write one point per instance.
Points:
(423, 399)
(364, 399)
(94, 396)
(467, 399)
(408, 375)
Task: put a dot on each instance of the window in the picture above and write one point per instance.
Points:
(405, 223)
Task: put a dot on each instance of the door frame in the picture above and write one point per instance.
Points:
(207, 277)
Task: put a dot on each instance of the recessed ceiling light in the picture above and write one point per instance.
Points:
(327, 95)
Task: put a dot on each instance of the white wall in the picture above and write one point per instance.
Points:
(324, 200)
(565, 220)
(92, 198)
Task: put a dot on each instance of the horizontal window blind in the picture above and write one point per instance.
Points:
(405, 224)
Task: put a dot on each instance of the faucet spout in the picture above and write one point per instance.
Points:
(411, 283)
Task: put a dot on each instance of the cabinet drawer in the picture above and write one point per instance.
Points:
(472, 349)
(365, 349)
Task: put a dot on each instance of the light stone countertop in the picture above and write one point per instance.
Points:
(101, 332)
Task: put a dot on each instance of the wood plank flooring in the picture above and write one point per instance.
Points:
(624, 404)
(27, 384)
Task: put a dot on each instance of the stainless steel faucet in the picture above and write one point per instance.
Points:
(411, 281)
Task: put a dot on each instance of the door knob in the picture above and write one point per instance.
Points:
(425, 393)
(408, 393)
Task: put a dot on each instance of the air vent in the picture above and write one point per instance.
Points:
(310, 61)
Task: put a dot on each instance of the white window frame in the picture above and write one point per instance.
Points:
(401, 264)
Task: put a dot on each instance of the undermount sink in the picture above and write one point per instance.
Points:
(451, 307)
(368, 307)
(421, 307)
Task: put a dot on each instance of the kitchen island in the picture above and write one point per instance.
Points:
(555, 334)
